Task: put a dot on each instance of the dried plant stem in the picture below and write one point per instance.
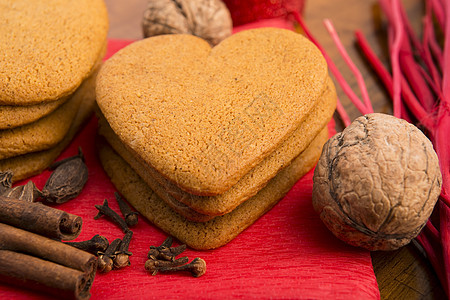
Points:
(408, 96)
(343, 114)
(445, 237)
(417, 82)
(359, 78)
(333, 68)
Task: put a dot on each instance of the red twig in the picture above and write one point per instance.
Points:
(438, 11)
(333, 68)
(342, 113)
(431, 48)
(434, 254)
(411, 100)
(445, 238)
(359, 78)
(427, 97)
(395, 63)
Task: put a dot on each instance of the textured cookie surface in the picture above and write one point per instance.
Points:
(218, 231)
(47, 48)
(12, 116)
(196, 211)
(27, 165)
(47, 132)
(204, 117)
(251, 182)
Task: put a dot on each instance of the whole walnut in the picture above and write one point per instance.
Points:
(376, 182)
(208, 19)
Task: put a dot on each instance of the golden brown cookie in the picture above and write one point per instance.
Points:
(177, 206)
(47, 48)
(220, 230)
(12, 116)
(47, 132)
(34, 163)
(249, 184)
(191, 213)
(202, 117)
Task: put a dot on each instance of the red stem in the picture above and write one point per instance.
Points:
(333, 68)
(443, 148)
(386, 78)
(443, 127)
(433, 86)
(434, 254)
(409, 30)
(429, 41)
(432, 231)
(438, 11)
(395, 60)
(342, 113)
(444, 217)
(359, 78)
(411, 70)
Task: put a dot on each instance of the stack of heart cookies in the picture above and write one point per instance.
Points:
(203, 141)
(49, 55)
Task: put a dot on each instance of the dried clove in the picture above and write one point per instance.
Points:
(106, 259)
(130, 216)
(122, 258)
(110, 213)
(197, 267)
(165, 251)
(154, 266)
(28, 192)
(97, 244)
(67, 180)
(171, 253)
(5, 181)
(154, 251)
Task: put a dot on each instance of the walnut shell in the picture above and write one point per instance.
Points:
(208, 19)
(377, 182)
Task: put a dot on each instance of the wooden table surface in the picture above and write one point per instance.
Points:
(401, 274)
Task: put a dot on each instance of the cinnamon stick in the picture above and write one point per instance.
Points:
(26, 268)
(16, 239)
(40, 219)
(29, 256)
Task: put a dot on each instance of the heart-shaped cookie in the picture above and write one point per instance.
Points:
(47, 48)
(203, 117)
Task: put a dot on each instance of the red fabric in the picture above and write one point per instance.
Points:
(287, 253)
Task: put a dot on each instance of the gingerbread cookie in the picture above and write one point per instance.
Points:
(204, 117)
(220, 230)
(47, 48)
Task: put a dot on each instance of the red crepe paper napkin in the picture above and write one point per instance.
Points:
(287, 253)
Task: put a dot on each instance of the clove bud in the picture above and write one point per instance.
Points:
(154, 266)
(122, 255)
(165, 251)
(197, 267)
(104, 209)
(105, 260)
(130, 216)
(97, 244)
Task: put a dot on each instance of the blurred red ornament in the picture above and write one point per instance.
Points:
(243, 12)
